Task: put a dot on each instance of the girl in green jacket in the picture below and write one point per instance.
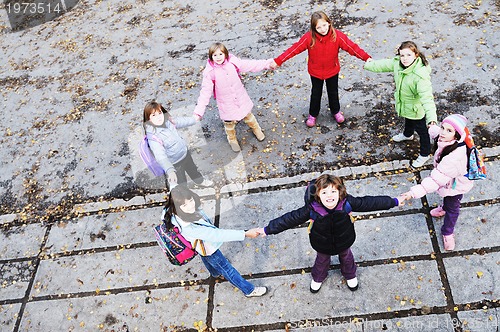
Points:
(413, 95)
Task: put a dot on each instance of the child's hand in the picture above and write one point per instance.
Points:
(404, 197)
(197, 117)
(273, 65)
(261, 232)
(172, 178)
(369, 59)
(252, 233)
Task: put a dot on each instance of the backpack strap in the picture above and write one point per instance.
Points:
(154, 138)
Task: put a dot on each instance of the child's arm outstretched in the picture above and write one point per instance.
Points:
(286, 221)
(374, 203)
(247, 65)
(381, 66)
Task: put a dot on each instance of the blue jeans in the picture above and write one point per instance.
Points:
(217, 264)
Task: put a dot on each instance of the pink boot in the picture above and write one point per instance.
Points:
(311, 121)
(438, 212)
(449, 242)
(339, 117)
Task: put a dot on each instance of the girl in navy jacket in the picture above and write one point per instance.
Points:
(331, 231)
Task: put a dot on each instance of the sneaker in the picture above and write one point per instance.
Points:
(401, 137)
(206, 183)
(339, 117)
(315, 286)
(449, 242)
(352, 284)
(438, 212)
(311, 121)
(420, 161)
(257, 291)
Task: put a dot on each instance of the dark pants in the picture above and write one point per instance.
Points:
(451, 204)
(321, 265)
(187, 165)
(332, 89)
(421, 128)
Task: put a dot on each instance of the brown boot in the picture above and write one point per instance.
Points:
(251, 121)
(230, 127)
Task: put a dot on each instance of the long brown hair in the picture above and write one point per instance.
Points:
(413, 47)
(447, 149)
(315, 17)
(178, 196)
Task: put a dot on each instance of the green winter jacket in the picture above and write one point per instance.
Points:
(413, 94)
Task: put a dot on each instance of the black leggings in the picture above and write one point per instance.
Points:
(188, 166)
(421, 128)
(332, 89)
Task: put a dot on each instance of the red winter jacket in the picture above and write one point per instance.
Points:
(323, 60)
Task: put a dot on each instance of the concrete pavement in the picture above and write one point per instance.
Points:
(100, 269)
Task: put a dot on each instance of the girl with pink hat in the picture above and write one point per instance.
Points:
(448, 176)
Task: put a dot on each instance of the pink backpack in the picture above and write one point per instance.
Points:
(148, 157)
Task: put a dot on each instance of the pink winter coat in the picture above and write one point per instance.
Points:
(232, 98)
(447, 177)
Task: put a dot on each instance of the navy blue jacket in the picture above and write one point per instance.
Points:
(332, 231)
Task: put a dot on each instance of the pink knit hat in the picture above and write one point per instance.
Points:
(458, 122)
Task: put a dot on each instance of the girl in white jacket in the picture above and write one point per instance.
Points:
(448, 176)
(168, 147)
(184, 211)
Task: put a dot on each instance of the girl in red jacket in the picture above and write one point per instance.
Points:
(322, 43)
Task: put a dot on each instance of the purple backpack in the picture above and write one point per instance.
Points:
(148, 157)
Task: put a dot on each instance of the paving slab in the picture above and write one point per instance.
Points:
(108, 230)
(476, 228)
(96, 272)
(157, 310)
(21, 241)
(485, 320)
(474, 278)
(404, 288)
(15, 279)
(383, 238)
(8, 315)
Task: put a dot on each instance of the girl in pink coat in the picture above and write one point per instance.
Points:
(221, 77)
(448, 176)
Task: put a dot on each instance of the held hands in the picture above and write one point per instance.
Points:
(196, 117)
(404, 197)
(273, 65)
(255, 232)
